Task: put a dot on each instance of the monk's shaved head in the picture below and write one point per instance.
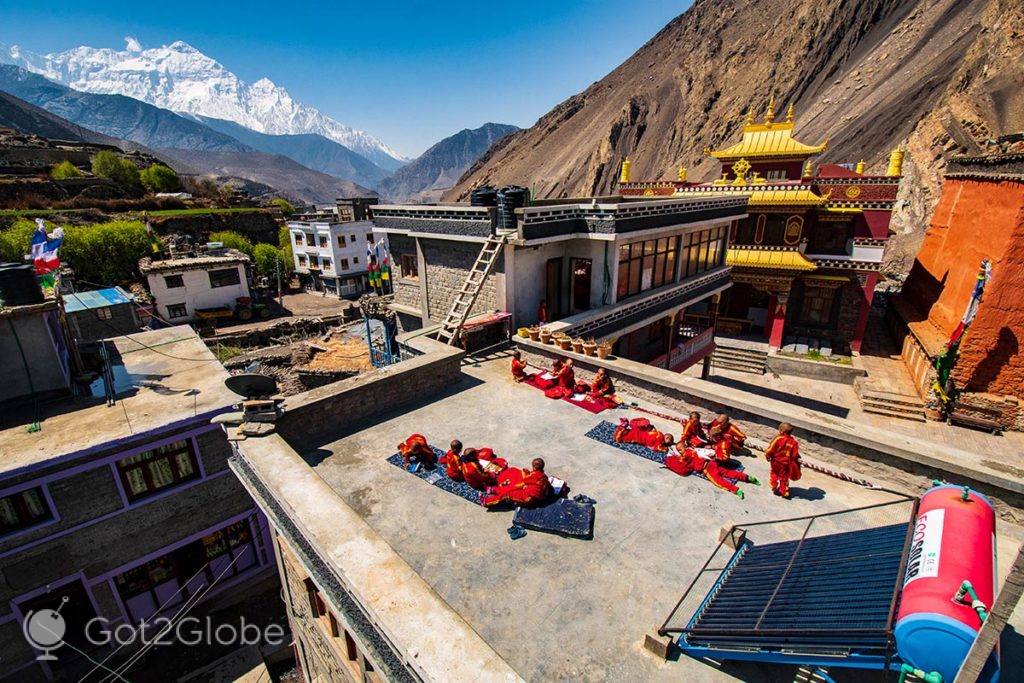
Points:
(456, 445)
(538, 464)
(785, 428)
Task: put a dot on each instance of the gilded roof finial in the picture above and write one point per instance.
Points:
(895, 163)
(750, 115)
(859, 168)
(624, 176)
(808, 169)
(682, 174)
(789, 113)
(769, 114)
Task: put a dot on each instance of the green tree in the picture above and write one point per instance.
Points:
(266, 258)
(65, 170)
(160, 178)
(233, 240)
(286, 206)
(284, 243)
(106, 164)
(14, 241)
(108, 253)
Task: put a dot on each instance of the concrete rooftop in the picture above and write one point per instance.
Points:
(556, 608)
(162, 377)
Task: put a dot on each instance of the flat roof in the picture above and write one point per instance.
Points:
(230, 257)
(556, 608)
(100, 298)
(162, 378)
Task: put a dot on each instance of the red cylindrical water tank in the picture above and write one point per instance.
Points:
(953, 541)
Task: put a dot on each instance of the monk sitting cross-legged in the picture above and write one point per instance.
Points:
(601, 389)
(548, 379)
(475, 472)
(519, 372)
(693, 432)
(640, 431)
(691, 460)
(521, 487)
(452, 461)
(727, 437)
(415, 450)
(565, 382)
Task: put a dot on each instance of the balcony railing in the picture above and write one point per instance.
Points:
(688, 352)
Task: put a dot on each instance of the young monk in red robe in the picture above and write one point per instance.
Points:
(452, 460)
(473, 472)
(784, 455)
(565, 382)
(519, 373)
(545, 383)
(640, 431)
(689, 461)
(727, 437)
(601, 390)
(416, 450)
(693, 432)
(521, 487)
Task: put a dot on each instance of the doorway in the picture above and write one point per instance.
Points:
(553, 288)
(581, 268)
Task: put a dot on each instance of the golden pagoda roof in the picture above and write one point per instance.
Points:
(762, 140)
(762, 194)
(768, 259)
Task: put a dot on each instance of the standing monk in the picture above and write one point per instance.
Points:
(415, 450)
(519, 373)
(693, 432)
(640, 431)
(542, 313)
(521, 487)
(565, 382)
(784, 455)
(690, 461)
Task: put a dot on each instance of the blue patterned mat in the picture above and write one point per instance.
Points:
(563, 517)
(605, 433)
(438, 478)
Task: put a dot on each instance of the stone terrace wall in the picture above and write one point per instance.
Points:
(656, 386)
(448, 264)
(314, 416)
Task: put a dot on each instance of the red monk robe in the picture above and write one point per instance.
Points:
(519, 373)
(556, 367)
(784, 455)
(689, 461)
(415, 449)
(640, 431)
(727, 437)
(521, 487)
(565, 382)
(693, 432)
(601, 389)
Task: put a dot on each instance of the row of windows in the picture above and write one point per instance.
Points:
(222, 277)
(325, 263)
(142, 475)
(344, 643)
(324, 240)
(649, 264)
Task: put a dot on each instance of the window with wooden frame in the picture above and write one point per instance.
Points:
(299, 239)
(104, 313)
(818, 305)
(163, 467)
(344, 264)
(324, 241)
(224, 277)
(177, 311)
(645, 265)
(23, 509)
(174, 281)
(410, 266)
(703, 251)
(302, 260)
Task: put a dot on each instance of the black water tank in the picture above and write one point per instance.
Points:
(18, 285)
(485, 195)
(510, 198)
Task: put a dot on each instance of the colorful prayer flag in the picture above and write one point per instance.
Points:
(44, 248)
(984, 274)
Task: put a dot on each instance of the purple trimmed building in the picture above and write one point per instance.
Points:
(122, 506)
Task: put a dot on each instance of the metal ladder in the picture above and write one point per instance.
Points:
(466, 296)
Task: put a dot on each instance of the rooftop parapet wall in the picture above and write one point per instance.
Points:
(456, 220)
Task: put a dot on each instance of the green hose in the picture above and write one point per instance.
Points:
(926, 676)
(961, 596)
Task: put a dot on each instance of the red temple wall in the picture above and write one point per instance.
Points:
(977, 219)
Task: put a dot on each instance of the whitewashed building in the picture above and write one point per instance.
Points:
(180, 286)
(329, 248)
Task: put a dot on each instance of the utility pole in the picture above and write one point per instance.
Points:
(277, 270)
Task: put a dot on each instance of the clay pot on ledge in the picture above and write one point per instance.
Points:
(545, 336)
(577, 345)
(533, 333)
(590, 348)
(604, 350)
(565, 343)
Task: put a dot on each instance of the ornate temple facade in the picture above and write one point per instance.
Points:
(805, 261)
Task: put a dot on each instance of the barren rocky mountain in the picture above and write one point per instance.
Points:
(933, 76)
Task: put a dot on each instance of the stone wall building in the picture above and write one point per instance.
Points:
(121, 507)
(101, 314)
(980, 216)
(606, 270)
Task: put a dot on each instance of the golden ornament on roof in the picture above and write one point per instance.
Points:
(681, 174)
(769, 114)
(789, 113)
(740, 169)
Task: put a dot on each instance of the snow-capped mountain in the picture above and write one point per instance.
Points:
(183, 79)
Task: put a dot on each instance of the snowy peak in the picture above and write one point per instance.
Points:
(181, 78)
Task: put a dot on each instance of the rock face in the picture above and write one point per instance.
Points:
(933, 76)
(440, 167)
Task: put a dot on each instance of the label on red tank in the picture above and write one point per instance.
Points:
(925, 547)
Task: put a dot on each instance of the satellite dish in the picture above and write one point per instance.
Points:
(251, 386)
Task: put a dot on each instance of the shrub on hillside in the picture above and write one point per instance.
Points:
(286, 206)
(160, 178)
(233, 240)
(106, 164)
(65, 170)
(266, 258)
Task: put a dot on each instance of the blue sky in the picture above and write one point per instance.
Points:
(407, 72)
